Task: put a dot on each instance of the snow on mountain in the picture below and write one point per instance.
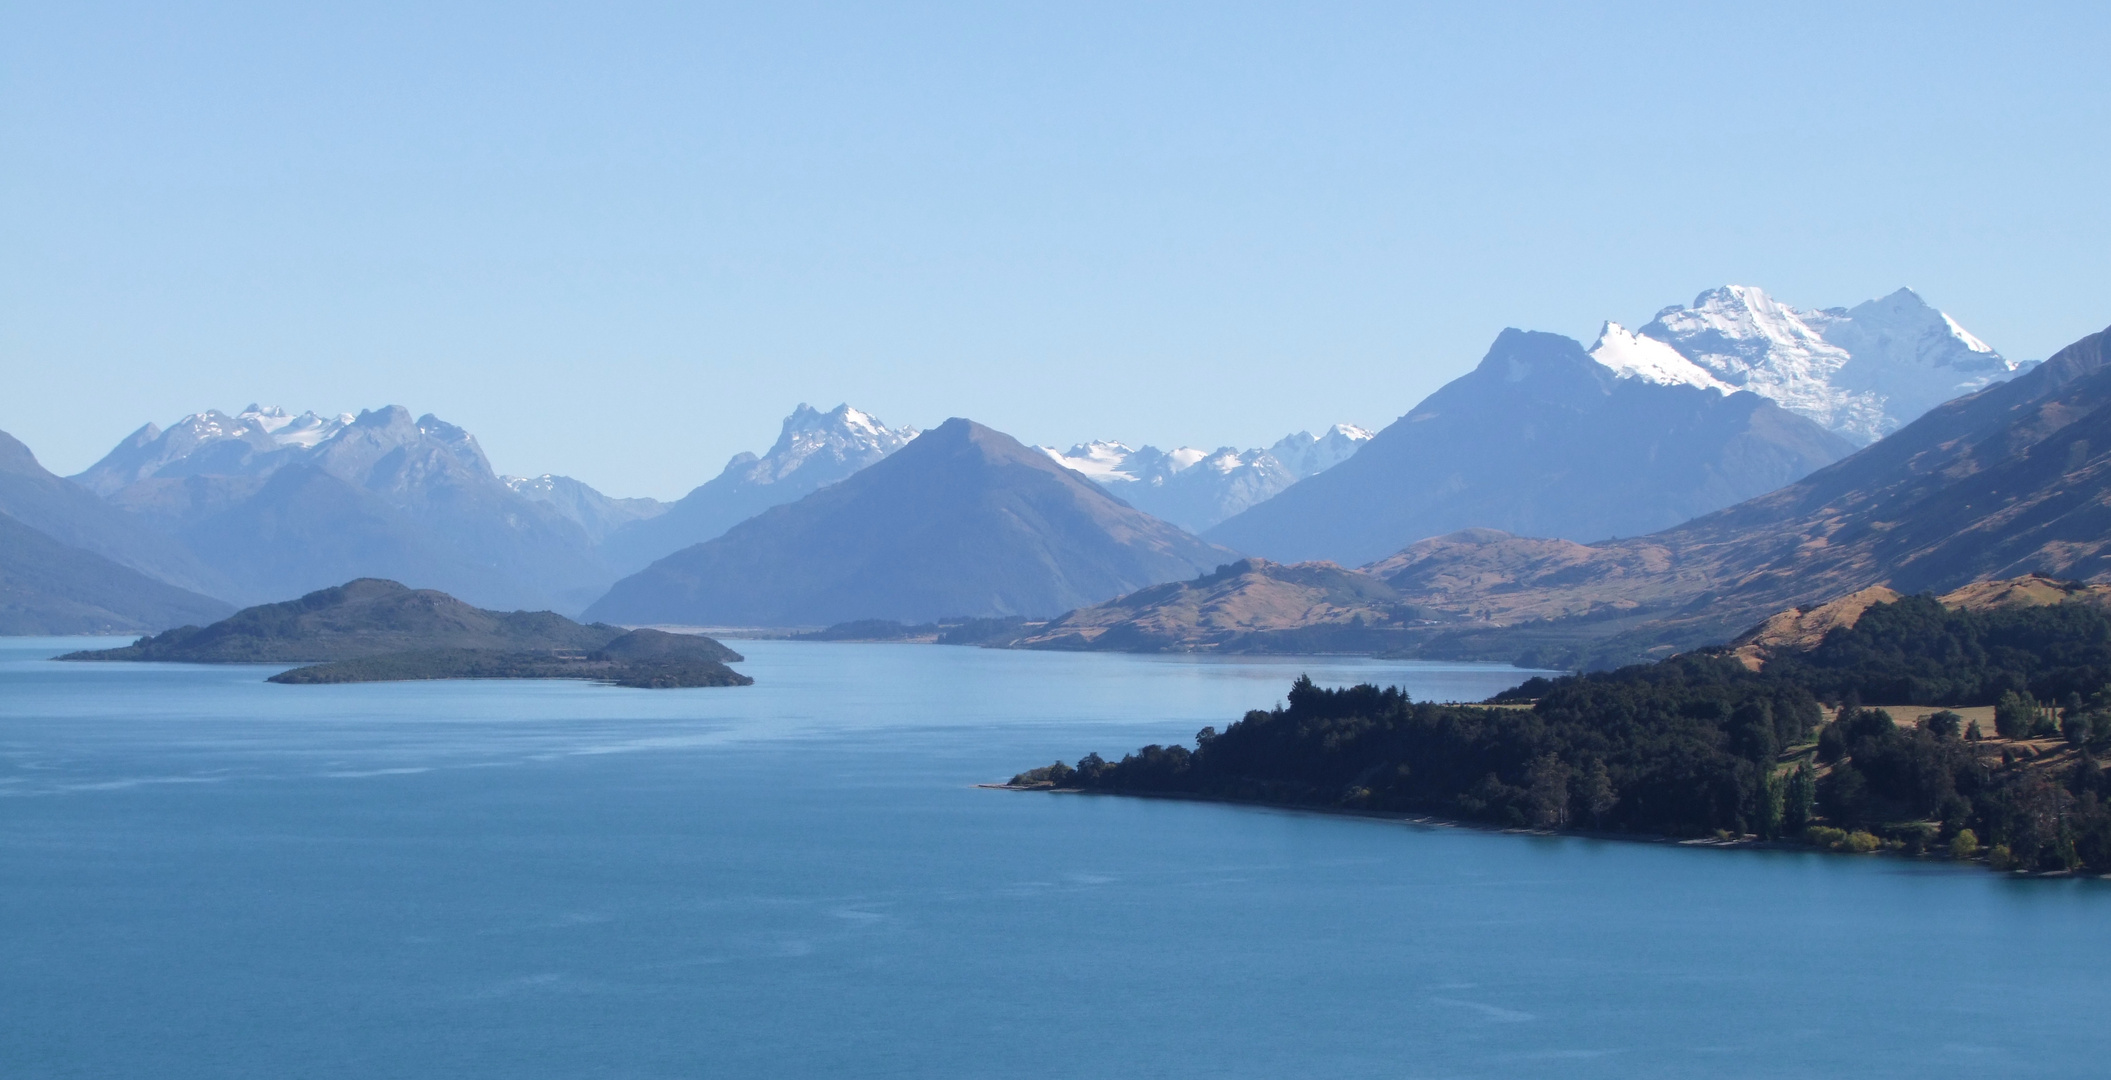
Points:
(814, 449)
(841, 440)
(150, 450)
(1307, 455)
(1631, 356)
(598, 514)
(282, 504)
(1863, 372)
(1195, 489)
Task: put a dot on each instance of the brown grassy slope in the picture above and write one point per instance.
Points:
(1248, 597)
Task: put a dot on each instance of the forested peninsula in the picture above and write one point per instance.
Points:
(1702, 746)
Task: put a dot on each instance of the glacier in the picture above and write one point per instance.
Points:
(1862, 372)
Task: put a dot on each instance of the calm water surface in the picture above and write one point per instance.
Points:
(204, 875)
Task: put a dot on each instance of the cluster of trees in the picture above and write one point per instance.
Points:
(1897, 780)
(1698, 745)
(1917, 652)
(1687, 747)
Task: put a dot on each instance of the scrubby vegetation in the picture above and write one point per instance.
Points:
(1698, 746)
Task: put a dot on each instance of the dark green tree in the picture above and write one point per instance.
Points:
(1799, 798)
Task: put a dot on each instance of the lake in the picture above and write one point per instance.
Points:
(206, 875)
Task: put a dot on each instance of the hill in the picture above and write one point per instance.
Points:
(371, 630)
(963, 521)
(1541, 439)
(367, 617)
(49, 588)
(1252, 605)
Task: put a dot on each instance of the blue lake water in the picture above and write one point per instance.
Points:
(205, 875)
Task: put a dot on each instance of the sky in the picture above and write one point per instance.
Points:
(622, 241)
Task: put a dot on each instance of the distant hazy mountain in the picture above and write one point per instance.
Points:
(962, 521)
(76, 518)
(50, 588)
(1196, 489)
(283, 505)
(1544, 439)
(813, 450)
(210, 443)
(598, 514)
(1863, 372)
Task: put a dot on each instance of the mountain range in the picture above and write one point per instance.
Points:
(962, 521)
(1196, 489)
(2012, 480)
(280, 505)
(1470, 505)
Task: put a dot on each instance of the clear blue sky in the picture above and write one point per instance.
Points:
(621, 241)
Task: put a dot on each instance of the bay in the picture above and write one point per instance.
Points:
(205, 875)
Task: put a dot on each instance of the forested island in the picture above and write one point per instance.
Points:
(1702, 746)
(372, 630)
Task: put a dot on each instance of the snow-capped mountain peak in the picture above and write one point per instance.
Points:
(1631, 356)
(1863, 372)
(843, 436)
(1196, 488)
(1307, 455)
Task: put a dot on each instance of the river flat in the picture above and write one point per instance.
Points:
(205, 875)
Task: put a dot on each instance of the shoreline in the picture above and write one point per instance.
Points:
(1745, 843)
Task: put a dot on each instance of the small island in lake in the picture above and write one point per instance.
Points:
(371, 630)
(1998, 707)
